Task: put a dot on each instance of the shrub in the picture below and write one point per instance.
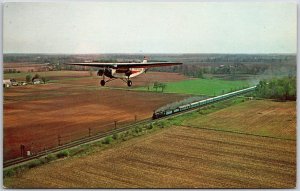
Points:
(19, 169)
(34, 163)
(162, 124)
(50, 157)
(44, 79)
(28, 78)
(137, 129)
(132, 131)
(62, 154)
(36, 76)
(115, 136)
(9, 172)
(202, 112)
(43, 160)
(107, 140)
(150, 126)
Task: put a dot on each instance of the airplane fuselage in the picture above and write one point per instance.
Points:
(128, 73)
(121, 73)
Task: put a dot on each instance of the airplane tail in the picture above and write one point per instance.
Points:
(145, 60)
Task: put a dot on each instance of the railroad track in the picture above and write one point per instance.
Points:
(72, 144)
(93, 138)
(86, 140)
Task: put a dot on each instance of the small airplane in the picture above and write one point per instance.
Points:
(123, 71)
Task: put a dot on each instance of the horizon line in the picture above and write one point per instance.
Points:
(141, 53)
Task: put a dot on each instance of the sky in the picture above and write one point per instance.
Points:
(150, 27)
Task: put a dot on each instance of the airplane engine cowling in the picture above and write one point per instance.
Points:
(108, 72)
(100, 72)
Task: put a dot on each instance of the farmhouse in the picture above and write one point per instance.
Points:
(6, 83)
(36, 81)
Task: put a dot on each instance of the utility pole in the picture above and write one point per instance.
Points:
(115, 124)
(58, 137)
(22, 147)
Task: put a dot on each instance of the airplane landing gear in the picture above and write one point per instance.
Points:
(129, 83)
(102, 82)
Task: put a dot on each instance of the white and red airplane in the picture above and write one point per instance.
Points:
(123, 71)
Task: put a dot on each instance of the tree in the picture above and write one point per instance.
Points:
(200, 74)
(28, 78)
(156, 85)
(44, 79)
(162, 86)
(282, 89)
(36, 76)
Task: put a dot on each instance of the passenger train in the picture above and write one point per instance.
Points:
(193, 105)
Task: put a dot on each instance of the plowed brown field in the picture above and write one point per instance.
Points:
(37, 115)
(177, 157)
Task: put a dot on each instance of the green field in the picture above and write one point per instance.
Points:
(209, 87)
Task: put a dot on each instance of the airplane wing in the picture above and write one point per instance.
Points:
(125, 65)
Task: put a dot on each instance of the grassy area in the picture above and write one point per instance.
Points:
(257, 117)
(209, 87)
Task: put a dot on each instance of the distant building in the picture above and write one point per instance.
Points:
(14, 82)
(36, 81)
(6, 83)
(22, 83)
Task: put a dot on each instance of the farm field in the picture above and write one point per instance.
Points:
(142, 80)
(24, 67)
(201, 86)
(84, 78)
(258, 117)
(42, 116)
(179, 157)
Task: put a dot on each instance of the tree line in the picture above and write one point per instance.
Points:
(198, 70)
(280, 89)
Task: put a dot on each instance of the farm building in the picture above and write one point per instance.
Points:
(6, 83)
(36, 81)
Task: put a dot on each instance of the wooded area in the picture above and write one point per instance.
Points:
(281, 89)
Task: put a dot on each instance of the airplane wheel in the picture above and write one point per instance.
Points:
(102, 82)
(129, 83)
